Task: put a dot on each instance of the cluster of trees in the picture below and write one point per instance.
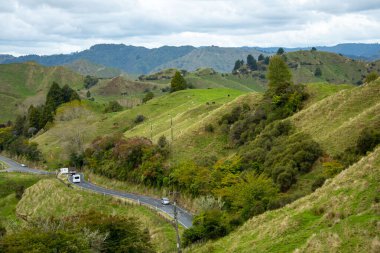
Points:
(38, 117)
(178, 82)
(113, 106)
(251, 64)
(88, 232)
(90, 81)
(135, 160)
(14, 137)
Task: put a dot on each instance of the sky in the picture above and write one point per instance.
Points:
(63, 26)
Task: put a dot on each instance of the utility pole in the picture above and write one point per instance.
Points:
(176, 221)
(175, 211)
(151, 132)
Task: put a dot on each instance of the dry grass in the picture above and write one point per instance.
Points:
(341, 216)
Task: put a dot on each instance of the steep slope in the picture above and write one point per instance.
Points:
(336, 121)
(219, 58)
(27, 83)
(342, 216)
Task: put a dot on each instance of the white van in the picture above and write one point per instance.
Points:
(76, 178)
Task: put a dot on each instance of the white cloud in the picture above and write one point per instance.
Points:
(51, 26)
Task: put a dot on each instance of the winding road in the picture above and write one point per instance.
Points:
(184, 217)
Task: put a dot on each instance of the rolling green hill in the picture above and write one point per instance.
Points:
(85, 120)
(22, 84)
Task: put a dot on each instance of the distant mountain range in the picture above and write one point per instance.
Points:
(141, 60)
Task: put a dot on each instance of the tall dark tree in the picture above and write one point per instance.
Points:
(69, 94)
(280, 51)
(55, 97)
(318, 72)
(34, 117)
(261, 57)
(267, 60)
(251, 62)
(178, 82)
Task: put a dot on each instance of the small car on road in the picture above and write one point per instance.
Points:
(23, 165)
(165, 201)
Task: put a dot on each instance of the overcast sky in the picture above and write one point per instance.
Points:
(64, 26)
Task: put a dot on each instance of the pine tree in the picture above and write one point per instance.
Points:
(279, 75)
(266, 60)
(251, 62)
(261, 57)
(318, 72)
(55, 96)
(177, 83)
(280, 51)
(34, 117)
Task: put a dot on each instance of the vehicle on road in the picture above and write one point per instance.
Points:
(76, 178)
(64, 170)
(72, 172)
(165, 201)
(23, 165)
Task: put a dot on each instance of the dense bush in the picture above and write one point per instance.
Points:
(113, 106)
(22, 147)
(139, 118)
(210, 224)
(135, 159)
(148, 96)
(368, 139)
(90, 232)
(90, 81)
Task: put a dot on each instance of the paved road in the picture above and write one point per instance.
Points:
(184, 218)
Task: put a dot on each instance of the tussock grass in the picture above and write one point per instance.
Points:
(8, 200)
(341, 216)
(49, 197)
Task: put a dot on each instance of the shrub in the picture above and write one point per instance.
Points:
(19, 191)
(318, 183)
(209, 128)
(368, 139)
(139, 118)
(148, 96)
(113, 106)
(371, 77)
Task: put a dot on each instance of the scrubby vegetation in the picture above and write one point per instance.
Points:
(91, 231)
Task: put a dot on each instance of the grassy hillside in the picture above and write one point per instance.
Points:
(342, 216)
(335, 68)
(27, 83)
(203, 78)
(336, 121)
(51, 197)
(9, 183)
(85, 121)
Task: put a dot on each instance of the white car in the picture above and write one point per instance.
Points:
(23, 165)
(165, 201)
(76, 178)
